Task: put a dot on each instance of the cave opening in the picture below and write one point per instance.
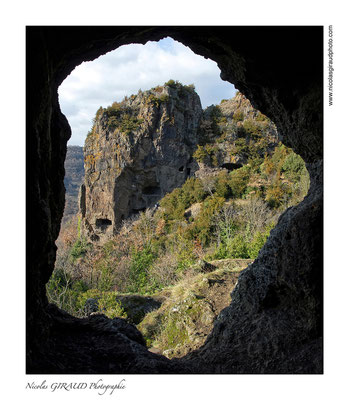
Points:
(151, 190)
(231, 166)
(103, 223)
(204, 267)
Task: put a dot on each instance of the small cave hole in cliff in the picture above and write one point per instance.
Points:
(103, 223)
(189, 188)
(231, 166)
(152, 190)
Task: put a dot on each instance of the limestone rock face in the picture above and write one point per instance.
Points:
(137, 151)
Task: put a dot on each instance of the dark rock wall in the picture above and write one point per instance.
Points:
(274, 322)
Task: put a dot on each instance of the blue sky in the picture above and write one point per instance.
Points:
(124, 71)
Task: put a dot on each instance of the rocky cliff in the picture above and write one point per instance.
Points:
(145, 146)
(137, 151)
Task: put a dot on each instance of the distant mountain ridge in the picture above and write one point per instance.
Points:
(74, 176)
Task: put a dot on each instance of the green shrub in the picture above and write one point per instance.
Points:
(175, 203)
(200, 154)
(203, 227)
(139, 281)
(258, 241)
(220, 253)
(79, 249)
(113, 122)
(192, 191)
(238, 180)
(293, 166)
(206, 154)
(222, 187)
(106, 279)
(275, 194)
(59, 279)
(129, 123)
(185, 256)
(241, 147)
(83, 296)
(279, 155)
(62, 291)
(237, 247)
(240, 245)
(171, 83)
(108, 303)
(113, 111)
(172, 206)
(255, 162)
(215, 113)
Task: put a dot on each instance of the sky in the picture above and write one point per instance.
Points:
(124, 71)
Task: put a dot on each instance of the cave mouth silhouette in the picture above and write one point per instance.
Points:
(295, 104)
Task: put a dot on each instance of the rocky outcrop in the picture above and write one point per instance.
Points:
(137, 151)
(244, 123)
(233, 134)
(275, 322)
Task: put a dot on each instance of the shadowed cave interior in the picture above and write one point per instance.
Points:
(274, 323)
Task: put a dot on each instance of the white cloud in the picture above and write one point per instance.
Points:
(129, 68)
